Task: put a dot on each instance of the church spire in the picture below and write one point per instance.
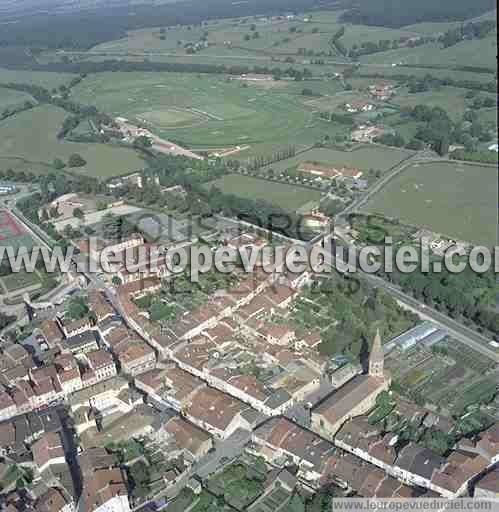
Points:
(376, 358)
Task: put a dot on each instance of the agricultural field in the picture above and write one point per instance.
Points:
(30, 137)
(233, 36)
(20, 281)
(210, 111)
(451, 375)
(148, 40)
(288, 197)
(453, 198)
(361, 157)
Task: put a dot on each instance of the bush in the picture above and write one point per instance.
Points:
(76, 160)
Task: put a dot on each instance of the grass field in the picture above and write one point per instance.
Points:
(24, 165)
(288, 197)
(421, 72)
(31, 136)
(456, 199)
(430, 28)
(478, 52)
(488, 116)
(222, 113)
(170, 118)
(364, 158)
(10, 98)
(43, 78)
(450, 99)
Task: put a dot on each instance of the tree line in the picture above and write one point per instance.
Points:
(387, 13)
(472, 30)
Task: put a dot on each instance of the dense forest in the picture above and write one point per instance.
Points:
(397, 13)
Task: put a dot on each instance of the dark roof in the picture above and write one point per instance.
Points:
(418, 460)
(81, 339)
(490, 481)
(278, 398)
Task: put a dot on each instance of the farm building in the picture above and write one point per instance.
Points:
(359, 106)
(413, 336)
(7, 189)
(367, 134)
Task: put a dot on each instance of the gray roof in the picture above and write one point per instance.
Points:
(409, 338)
(252, 416)
(278, 398)
(81, 339)
(434, 338)
(418, 460)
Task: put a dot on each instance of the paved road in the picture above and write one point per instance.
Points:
(456, 329)
(385, 179)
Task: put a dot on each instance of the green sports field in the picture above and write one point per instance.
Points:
(203, 111)
(288, 197)
(453, 198)
(31, 137)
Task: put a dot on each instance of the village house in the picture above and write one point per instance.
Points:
(68, 372)
(105, 490)
(488, 485)
(171, 387)
(359, 106)
(281, 442)
(367, 134)
(55, 500)
(48, 451)
(8, 408)
(381, 91)
(81, 343)
(75, 327)
(100, 307)
(100, 367)
(192, 442)
(102, 396)
(216, 412)
(136, 358)
(51, 332)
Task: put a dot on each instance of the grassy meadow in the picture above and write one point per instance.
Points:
(288, 197)
(29, 139)
(453, 198)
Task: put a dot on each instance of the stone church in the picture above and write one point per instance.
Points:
(356, 397)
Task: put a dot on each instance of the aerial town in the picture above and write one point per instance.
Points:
(133, 379)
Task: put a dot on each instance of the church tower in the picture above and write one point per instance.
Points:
(376, 358)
